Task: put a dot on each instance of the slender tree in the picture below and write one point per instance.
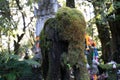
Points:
(114, 20)
(103, 28)
(70, 3)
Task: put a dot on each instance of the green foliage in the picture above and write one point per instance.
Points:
(11, 68)
(4, 9)
(110, 70)
(30, 2)
(117, 4)
(31, 62)
(111, 9)
(109, 66)
(4, 15)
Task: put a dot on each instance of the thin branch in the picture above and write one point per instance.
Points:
(17, 1)
(23, 17)
(30, 21)
(16, 44)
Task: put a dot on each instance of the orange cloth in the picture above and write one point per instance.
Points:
(88, 41)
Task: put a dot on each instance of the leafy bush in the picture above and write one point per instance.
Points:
(11, 68)
(112, 73)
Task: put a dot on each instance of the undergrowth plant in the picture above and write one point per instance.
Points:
(12, 69)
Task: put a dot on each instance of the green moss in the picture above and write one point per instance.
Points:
(72, 24)
(109, 66)
(69, 25)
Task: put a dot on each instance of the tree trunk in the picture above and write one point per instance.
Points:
(115, 30)
(54, 60)
(103, 30)
(52, 49)
(104, 36)
(70, 3)
(0, 40)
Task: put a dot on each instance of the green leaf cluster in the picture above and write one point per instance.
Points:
(11, 68)
(4, 9)
(116, 4)
(30, 2)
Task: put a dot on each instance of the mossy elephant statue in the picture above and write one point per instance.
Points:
(62, 42)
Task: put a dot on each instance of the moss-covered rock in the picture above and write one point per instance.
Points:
(65, 36)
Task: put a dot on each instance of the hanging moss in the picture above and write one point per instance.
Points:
(68, 25)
